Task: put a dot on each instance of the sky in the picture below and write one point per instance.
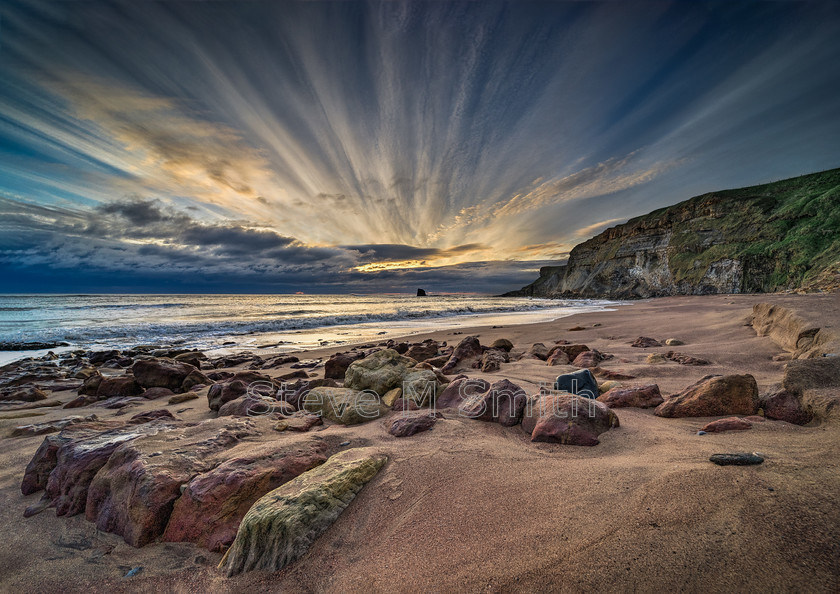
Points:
(332, 147)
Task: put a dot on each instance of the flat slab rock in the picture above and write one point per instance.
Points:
(282, 525)
(738, 459)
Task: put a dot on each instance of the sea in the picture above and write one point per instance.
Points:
(228, 323)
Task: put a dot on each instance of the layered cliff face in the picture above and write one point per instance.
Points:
(779, 236)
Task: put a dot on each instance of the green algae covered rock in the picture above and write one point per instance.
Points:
(282, 525)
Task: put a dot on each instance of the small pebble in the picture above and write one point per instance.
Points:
(770, 489)
(134, 571)
(701, 433)
(344, 443)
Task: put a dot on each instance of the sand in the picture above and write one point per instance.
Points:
(472, 506)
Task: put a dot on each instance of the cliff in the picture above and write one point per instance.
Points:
(774, 237)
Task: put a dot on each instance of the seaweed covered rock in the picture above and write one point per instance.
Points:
(283, 524)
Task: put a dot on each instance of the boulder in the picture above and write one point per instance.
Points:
(220, 394)
(539, 350)
(100, 357)
(608, 385)
(212, 505)
(133, 494)
(503, 344)
(460, 389)
(645, 342)
(404, 404)
(344, 405)
(712, 396)
(193, 358)
(155, 393)
(379, 372)
(121, 387)
(502, 402)
(608, 374)
(27, 394)
(567, 419)
(254, 405)
(572, 350)
(673, 342)
(466, 352)
(193, 380)
(807, 374)
(422, 351)
(492, 360)
(783, 405)
(162, 373)
(557, 357)
(91, 385)
(410, 423)
(281, 526)
(655, 359)
(728, 424)
(391, 396)
(588, 359)
(336, 366)
(638, 396)
(580, 382)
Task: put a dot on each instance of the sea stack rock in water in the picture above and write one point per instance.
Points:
(421, 293)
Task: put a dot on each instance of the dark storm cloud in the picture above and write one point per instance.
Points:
(305, 139)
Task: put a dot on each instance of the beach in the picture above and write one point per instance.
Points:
(476, 506)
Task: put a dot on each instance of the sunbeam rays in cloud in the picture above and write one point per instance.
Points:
(307, 144)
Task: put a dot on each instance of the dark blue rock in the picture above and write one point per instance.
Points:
(580, 382)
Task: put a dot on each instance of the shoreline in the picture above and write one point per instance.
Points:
(643, 507)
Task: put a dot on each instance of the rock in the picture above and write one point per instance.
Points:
(194, 380)
(85, 373)
(118, 387)
(80, 401)
(410, 423)
(673, 342)
(503, 344)
(254, 405)
(492, 360)
(422, 351)
(281, 526)
(119, 402)
(193, 358)
(336, 366)
(100, 357)
(91, 385)
(163, 373)
(567, 419)
(608, 385)
(379, 372)
(611, 375)
(27, 394)
(220, 394)
(655, 359)
(503, 401)
(740, 459)
(344, 405)
(300, 421)
(712, 396)
(557, 357)
(460, 389)
(588, 359)
(639, 397)
(155, 393)
(645, 342)
(809, 374)
(421, 293)
(212, 505)
(572, 350)
(391, 396)
(783, 405)
(134, 492)
(50, 426)
(438, 361)
(580, 382)
(539, 350)
(465, 354)
(297, 374)
(685, 359)
(728, 424)
(179, 398)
